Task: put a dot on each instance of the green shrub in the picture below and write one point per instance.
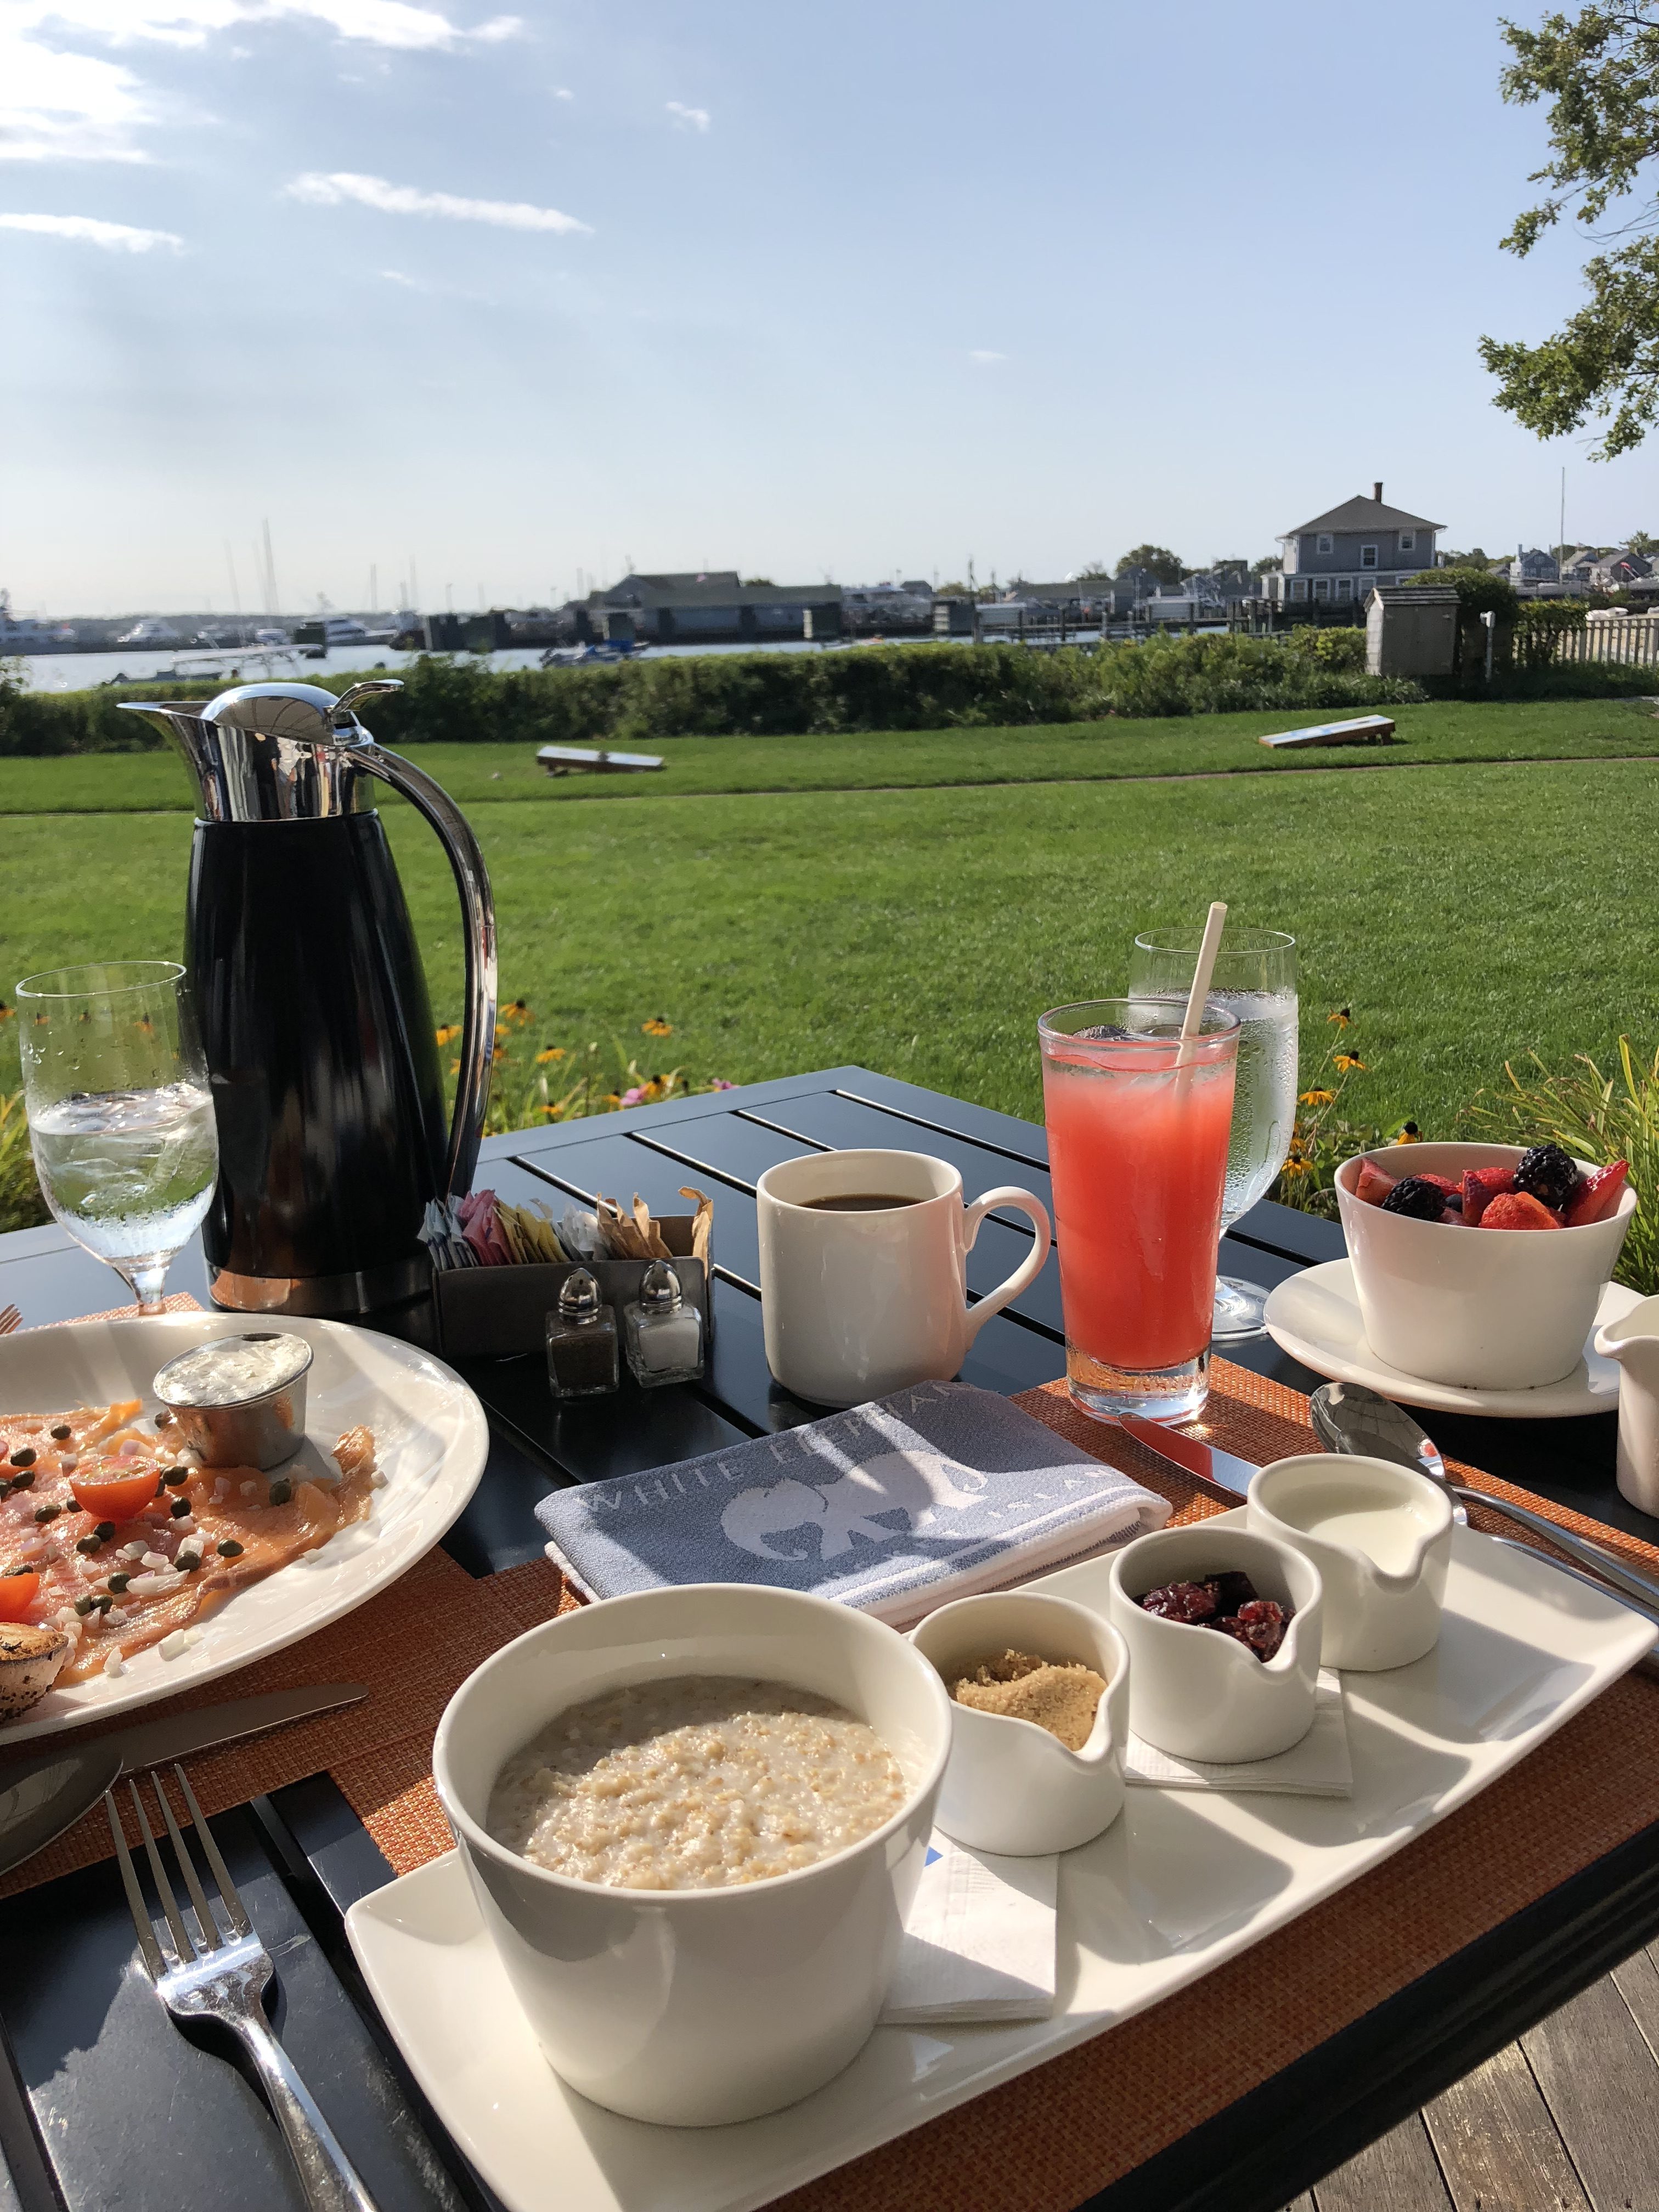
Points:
(919, 687)
(1478, 591)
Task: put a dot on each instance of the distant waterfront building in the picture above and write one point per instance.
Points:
(1527, 568)
(707, 606)
(1338, 556)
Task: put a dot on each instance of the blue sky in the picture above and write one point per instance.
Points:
(861, 291)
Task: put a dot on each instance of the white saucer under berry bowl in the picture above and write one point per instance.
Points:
(1315, 1316)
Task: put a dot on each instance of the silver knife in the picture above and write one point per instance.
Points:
(1208, 1463)
(42, 1795)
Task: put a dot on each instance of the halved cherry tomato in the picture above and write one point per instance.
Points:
(122, 1499)
(17, 1595)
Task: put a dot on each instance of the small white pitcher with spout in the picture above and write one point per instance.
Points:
(1381, 1537)
(1633, 1341)
(1011, 1786)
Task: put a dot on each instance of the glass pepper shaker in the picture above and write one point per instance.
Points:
(664, 1335)
(581, 1340)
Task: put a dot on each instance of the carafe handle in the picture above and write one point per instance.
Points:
(478, 916)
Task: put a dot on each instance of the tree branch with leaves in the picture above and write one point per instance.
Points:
(1599, 71)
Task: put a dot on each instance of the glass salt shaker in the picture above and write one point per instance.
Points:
(581, 1340)
(664, 1335)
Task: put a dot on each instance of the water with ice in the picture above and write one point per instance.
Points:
(129, 1173)
(1264, 1097)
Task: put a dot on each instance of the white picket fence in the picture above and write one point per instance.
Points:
(1631, 643)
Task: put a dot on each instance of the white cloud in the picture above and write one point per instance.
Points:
(88, 230)
(56, 105)
(563, 92)
(689, 118)
(405, 199)
(983, 355)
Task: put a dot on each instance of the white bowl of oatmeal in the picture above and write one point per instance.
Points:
(694, 1820)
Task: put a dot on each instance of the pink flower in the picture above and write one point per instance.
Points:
(720, 1084)
(633, 1097)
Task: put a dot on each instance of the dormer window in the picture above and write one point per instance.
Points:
(1409, 541)
(1368, 556)
(1323, 543)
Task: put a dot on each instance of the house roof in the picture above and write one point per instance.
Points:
(1363, 514)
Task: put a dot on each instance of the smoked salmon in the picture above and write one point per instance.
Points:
(126, 1541)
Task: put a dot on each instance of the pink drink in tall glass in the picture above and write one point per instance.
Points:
(1138, 1136)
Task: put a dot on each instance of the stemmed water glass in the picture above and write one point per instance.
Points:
(120, 1116)
(1254, 979)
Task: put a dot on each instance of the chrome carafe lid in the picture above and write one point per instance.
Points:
(271, 752)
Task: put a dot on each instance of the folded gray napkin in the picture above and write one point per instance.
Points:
(894, 1507)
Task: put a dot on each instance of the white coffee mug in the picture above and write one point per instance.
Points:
(855, 1304)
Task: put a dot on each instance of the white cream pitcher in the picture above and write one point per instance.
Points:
(1633, 1341)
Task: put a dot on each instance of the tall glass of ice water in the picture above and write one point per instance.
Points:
(120, 1116)
(1255, 981)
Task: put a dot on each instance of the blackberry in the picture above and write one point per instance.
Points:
(1416, 1196)
(1548, 1174)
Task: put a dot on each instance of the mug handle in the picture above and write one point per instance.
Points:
(1025, 1274)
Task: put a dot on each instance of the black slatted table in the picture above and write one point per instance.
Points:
(103, 2103)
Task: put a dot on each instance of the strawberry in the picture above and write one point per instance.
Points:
(1517, 1209)
(1442, 1183)
(1597, 1196)
(1374, 1183)
(1480, 1187)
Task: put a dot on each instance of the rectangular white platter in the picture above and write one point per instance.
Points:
(1182, 1882)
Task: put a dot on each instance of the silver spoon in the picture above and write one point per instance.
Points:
(1349, 1418)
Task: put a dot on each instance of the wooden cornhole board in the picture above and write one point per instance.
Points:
(570, 760)
(1366, 730)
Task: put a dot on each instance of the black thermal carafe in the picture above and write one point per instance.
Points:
(313, 1008)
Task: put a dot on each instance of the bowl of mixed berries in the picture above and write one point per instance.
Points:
(1482, 1265)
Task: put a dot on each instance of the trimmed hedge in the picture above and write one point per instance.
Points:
(781, 694)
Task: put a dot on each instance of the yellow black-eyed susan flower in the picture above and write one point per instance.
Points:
(657, 1026)
(548, 1053)
(1293, 1167)
(1317, 1098)
(447, 1033)
(1347, 1063)
(516, 1009)
(1407, 1134)
(6, 1012)
(1342, 1017)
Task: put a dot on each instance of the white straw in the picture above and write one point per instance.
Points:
(1201, 975)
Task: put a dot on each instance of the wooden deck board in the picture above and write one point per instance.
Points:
(1600, 2080)
(1498, 2149)
(1399, 2172)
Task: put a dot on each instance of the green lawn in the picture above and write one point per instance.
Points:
(1086, 752)
(1466, 912)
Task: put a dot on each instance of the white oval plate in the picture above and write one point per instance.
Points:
(430, 1437)
(1314, 1316)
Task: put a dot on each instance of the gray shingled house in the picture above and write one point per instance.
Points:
(1338, 558)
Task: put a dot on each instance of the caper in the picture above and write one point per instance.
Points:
(23, 1481)
(89, 1545)
(62, 1433)
(281, 1491)
(230, 1549)
(84, 1606)
(47, 1512)
(104, 1531)
(25, 1457)
(179, 1509)
(173, 1476)
(118, 1582)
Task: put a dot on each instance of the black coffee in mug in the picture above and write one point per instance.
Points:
(858, 1202)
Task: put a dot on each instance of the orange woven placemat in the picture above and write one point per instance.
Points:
(1046, 2140)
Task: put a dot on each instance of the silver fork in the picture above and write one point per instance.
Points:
(222, 1977)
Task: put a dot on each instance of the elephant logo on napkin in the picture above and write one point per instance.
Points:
(918, 1484)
